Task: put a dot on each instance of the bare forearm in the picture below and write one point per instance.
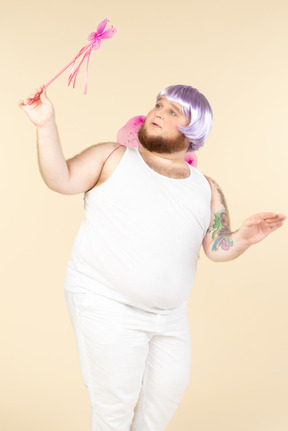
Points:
(222, 245)
(52, 164)
(227, 247)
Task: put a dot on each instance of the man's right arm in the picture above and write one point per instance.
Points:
(76, 175)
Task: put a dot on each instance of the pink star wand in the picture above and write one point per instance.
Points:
(95, 39)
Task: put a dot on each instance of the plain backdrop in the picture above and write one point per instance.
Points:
(236, 54)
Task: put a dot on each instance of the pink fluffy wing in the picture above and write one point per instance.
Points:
(128, 134)
(191, 158)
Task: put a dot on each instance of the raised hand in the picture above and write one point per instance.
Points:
(41, 111)
(258, 226)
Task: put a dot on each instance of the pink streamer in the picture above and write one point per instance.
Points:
(95, 45)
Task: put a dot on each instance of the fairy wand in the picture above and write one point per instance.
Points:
(95, 39)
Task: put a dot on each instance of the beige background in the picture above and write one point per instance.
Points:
(236, 54)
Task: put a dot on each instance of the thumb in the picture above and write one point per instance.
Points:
(43, 96)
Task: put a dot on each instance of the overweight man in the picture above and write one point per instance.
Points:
(134, 258)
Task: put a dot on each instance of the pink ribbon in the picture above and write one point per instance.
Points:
(95, 39)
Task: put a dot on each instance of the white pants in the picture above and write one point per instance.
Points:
(130, 357)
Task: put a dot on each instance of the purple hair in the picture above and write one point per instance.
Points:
(197, 110)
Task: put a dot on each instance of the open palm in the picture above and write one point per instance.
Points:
(258, 226)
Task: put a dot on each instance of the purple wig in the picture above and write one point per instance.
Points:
(197, 111)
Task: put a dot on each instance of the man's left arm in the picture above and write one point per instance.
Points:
(220, 243)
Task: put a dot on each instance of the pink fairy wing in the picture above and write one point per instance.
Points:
(97, 44)
(128, 134)
(102, 25)
(191, 158)
(91, 35)
(110, 32)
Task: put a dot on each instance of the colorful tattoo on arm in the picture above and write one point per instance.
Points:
(221, 231)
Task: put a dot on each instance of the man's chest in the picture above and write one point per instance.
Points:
(176, 172)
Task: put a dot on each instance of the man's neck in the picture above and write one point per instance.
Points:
(171, 158)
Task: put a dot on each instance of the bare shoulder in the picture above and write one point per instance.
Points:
(86, 167)
(109, 152)
(212, 182)
(216, 191)
(95, 155)
(112, 158)
(106, 146)
(101, 150)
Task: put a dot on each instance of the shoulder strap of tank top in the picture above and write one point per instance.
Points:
(113, 152)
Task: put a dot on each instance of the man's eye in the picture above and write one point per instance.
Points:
(157, 105)
(172, 113)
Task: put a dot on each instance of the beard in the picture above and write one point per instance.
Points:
(160, 145)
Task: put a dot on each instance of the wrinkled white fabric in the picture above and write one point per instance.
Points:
(139, 241)
(127, 355)
(129, 276)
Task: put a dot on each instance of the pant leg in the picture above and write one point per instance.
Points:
(113, 348)
(166, 375)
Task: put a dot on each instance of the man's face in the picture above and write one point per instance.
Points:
(159, 132)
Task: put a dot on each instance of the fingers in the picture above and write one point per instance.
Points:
(272, 223)
(278, 218)
(35, 95)
(43, 95)
(267, 221)
(269, 217)
(32, 97)
(273, 226)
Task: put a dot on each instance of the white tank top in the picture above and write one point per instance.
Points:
(139, 241)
